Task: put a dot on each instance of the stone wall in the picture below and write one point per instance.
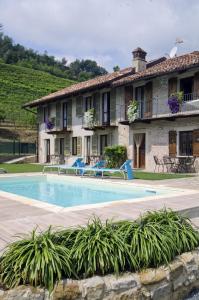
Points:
(173, 282)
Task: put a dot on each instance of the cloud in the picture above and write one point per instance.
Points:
(105, 30)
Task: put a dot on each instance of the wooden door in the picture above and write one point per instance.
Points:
(141, 155)
(47, 147)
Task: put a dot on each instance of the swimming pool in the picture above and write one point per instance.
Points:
(66, 192)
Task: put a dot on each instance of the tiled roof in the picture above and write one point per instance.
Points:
(175, 64)
(156, 67)
(82, 86)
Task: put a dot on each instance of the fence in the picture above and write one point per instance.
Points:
(16, 147)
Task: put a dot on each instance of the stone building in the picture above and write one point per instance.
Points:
(83, 119)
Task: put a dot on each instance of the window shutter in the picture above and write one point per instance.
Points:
(56, 146)
(113, 107)
(196, 84)
(67, 145)
(128, 96)
(79, 146)
(148, 99)
(172, 143)
(196, 142)
(58, 115)
(69, 115)
(79, 106)
(172, 89)
(40, 114)
(94, 144)
(97, 107)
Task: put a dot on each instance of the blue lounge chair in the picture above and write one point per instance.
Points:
(76, 163)
(125, 170)
(76, 166)
(99, 164)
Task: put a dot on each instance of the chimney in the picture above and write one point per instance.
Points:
(139, 59)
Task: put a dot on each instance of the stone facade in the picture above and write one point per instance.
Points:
(156, 129)
(173, 282)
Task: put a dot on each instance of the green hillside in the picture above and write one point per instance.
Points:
(19, 85)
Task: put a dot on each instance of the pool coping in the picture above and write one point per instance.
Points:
(56, 209)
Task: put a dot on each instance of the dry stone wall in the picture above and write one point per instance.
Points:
(173, 282)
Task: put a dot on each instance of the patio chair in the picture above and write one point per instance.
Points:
(158, 163)
(76, 163)
(125, 170)
(169, 163)
(189, 164)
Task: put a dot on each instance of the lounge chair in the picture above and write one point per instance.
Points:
(98, 165)
(77, 163)
(125, 170)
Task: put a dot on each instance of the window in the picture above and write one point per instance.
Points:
(103, 143)
(61, 146)
(88, 103)
(64, 111)
(139, 96)
(186, 85)
(106, 108)
(74, 146)
(186, 143)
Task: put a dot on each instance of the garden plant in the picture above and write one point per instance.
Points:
(98, 248)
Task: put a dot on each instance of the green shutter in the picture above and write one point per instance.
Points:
(40, 114)
(94, 144)
(56, 146)
(67, 145)
(97, 107)
(58, 115)
(79, 106)
(69, 115)
(79, 146)
(113, 107)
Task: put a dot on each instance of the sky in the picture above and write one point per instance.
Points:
(104, 30)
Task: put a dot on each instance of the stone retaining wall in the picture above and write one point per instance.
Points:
(173, 282)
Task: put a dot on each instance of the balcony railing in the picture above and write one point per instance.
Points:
(53, 126)
(158, 108)
(90, 122)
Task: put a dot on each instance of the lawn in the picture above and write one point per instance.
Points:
(23, 168)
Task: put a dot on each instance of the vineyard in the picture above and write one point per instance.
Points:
(19, 85)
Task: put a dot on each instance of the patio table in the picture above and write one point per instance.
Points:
(183, 163)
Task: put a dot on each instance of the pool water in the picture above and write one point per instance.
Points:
(66, 192)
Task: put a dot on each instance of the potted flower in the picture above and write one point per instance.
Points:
(175, 102)
(132, 111)
(49, 124)
(89, 118)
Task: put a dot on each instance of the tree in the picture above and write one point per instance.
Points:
(116, 68)
(85, 69)
(79, 70)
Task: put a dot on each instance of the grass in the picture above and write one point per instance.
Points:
(154, 239)
(20, 85)
(23, 168)
(158, 176)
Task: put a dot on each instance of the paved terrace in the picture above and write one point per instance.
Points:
(17, 217)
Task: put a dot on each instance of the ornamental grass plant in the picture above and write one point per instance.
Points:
(36, 260)
(98, 248)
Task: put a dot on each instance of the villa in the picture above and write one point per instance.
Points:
(83, 119)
